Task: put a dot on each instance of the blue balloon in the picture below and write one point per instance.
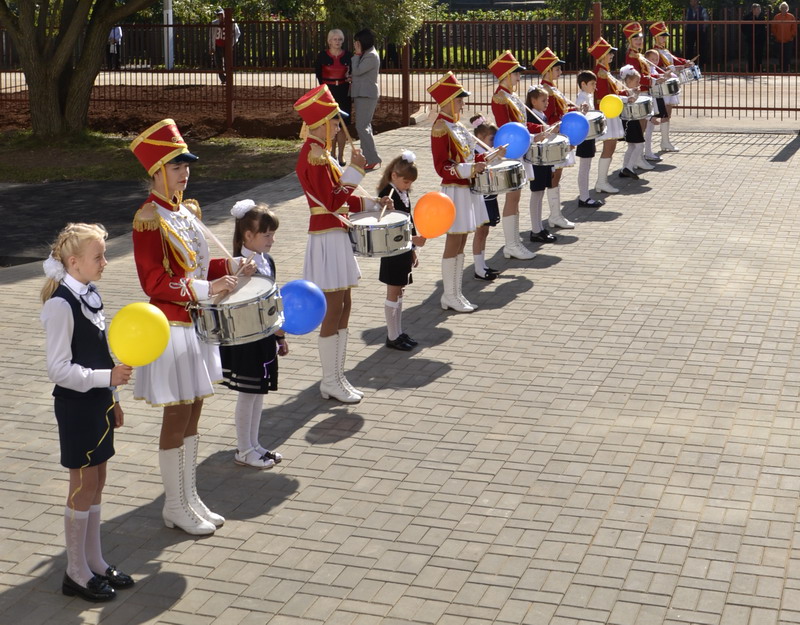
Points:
(575, 126)
(516, 136)
(303, 306)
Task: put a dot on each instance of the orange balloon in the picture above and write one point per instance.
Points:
(434, 214)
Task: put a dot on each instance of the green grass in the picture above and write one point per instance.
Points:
(95, 156)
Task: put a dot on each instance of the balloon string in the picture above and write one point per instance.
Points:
(89, 460)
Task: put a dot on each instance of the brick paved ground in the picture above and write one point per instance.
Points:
(610, 438)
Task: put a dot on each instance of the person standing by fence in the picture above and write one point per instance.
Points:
(695, 35)
(365, 92)
(114, 43)
(754, 38)
(784, 29)
(333, 69)
(216, 42)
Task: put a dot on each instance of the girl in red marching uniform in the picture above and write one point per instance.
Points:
(549, 66)
(329, 261)
(455, 161)
(669, 62)
(603, 53)
(508, 107)
(175, 268)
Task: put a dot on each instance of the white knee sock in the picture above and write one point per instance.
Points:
(244, 420)
(584, 167)
(648, 139)
(629, 153)
(94, 550)
(400, 314)
(391, 309)
(255, 419)
(75, 525)
(479, 263)
(537, 197)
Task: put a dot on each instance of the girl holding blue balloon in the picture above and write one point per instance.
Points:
(86, 407)
(509, 114)
(252, 368)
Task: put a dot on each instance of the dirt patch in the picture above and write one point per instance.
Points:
(259, 111)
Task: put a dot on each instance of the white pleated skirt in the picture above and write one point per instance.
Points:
(330, 262)
(567, 162)
(470, 209)
(614, 130)
(184, 373)
(672, 100)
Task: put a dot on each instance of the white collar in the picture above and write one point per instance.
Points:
(262, 265)
(75, 285)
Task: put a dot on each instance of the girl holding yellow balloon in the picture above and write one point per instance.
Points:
(608, 88)
(86, 407)
(175, 268)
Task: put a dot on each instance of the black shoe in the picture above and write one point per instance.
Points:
(115, 578)
(342, 163)
(408, 339)
(490, 270)
(590, 203)
(488, 276)
(628, 173)
(273, 455)
(543, 236)
(400, 344)
(96, 590)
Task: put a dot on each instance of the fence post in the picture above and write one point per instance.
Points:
(405, 69)
(230, 41)
(597, 20)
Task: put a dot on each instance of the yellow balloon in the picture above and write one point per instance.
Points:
(611, 106)
(138, 334)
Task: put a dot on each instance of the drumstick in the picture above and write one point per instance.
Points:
(211, 236)
(343, 219)
(383, 210)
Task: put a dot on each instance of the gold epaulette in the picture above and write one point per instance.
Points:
(439, 128)
(194, 208)
(146, 218)
(317, 155)
(602, 74)
(500, 98)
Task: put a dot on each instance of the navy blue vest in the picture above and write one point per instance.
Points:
(89, 345)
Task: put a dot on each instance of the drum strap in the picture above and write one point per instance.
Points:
(318, 204)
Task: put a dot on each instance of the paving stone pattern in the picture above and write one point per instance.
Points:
(610, 438)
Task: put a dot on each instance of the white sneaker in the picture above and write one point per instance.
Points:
(251, 458)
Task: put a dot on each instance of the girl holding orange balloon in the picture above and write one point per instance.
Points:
(86, 406)
(175, 269)
(395, 271)
(454, 160)
(607, 85)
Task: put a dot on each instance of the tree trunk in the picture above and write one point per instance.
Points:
(59, 87)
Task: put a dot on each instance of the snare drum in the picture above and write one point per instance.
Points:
(551, 151)
(671, 86)
(597, 124)
(250, 312)
(643, 107)
(372, 236)
(689, 74)
(499, 178)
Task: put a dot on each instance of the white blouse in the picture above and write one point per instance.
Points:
(56, 317)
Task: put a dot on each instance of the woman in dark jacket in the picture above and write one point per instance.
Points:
(333, 69)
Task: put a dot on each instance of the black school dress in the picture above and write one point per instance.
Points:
(542, 174)
(252, 367)
(85, 420)
(396, 270)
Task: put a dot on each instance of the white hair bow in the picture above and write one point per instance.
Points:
(53, 268)
(408, 156)
(242, 207)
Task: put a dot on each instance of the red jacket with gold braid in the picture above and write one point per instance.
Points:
(639, 63)
(453, 151)
(664, 59)
(329, 191)
(505, 110)
(606, 83)
(557, 104)
(172, 258)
